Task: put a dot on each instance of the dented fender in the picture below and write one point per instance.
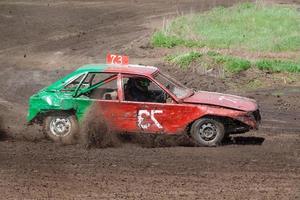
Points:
(245, 117)
(45, 101)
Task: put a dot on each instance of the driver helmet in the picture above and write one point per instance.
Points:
(142, 84)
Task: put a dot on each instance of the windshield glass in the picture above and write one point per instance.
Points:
(172, 85)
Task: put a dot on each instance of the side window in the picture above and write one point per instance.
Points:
(141, 89)
(99, 77)
(106, 91)
(74, 84)
(95, 78)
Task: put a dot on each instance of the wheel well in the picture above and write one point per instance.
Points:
(226, 121)
(41, 116)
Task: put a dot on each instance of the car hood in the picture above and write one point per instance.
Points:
(224, 100)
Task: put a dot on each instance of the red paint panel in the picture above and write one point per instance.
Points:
(224, 100)
(148, 117)
(135, 117)
(118, 116)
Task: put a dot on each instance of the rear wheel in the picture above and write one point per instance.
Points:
(62, 128)
(208, 131)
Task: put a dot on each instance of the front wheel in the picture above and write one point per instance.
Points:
(208, 131)
(61, 128)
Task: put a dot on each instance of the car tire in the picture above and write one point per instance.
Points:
(208, 132)
(61, 128)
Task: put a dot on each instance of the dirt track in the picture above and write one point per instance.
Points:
(41, 36)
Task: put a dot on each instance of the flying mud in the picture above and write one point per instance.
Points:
(95, 130)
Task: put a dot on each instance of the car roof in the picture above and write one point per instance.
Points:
(112, 68)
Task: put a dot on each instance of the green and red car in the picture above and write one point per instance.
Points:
(170, 109)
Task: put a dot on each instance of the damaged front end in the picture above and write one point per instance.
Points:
(243, 123)
(251, 119)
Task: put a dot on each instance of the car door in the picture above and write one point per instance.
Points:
(152, 115)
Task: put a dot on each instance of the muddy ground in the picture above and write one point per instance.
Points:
(39, 37)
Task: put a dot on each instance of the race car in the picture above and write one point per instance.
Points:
(139, 99)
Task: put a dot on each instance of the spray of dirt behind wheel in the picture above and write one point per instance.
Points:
(95, 131)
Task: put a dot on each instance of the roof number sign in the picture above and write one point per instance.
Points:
(117, 59)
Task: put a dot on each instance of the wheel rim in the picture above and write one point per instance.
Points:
(208, 131)
(60, 126)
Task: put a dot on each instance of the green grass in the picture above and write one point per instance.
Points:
(249, 26)
(183, 60)
(278, 65)
(162, 40)
(231, 64)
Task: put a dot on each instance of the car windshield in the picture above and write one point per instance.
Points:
(176, 88)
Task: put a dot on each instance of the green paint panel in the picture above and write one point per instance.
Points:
(53, 97)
